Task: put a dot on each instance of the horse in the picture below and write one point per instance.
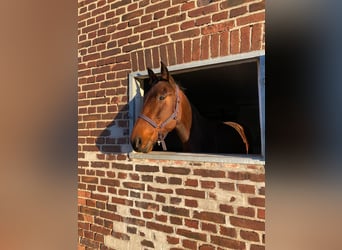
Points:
(166, 108)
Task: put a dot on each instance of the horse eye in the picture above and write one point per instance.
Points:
(162, 97)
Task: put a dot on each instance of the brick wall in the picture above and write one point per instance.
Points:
(144, 204)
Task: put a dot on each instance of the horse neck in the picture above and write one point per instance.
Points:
(184, 120)
(189, 126)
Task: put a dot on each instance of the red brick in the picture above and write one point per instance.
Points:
(179, 52)
(220, 16)
(176, 170)
(176, 210)
(161, 179)
(253, 18)
(226, 242)
(171, 20)
(206, 247)
(159, 190)
(249, 235)
(122, 201)
(147, 178)
(234, 43)
(191, 203)
(246, 211)
(245, 188)
(224, 43)
(226, 208)
(100, 197)
(203, 10)
(190, 192)
(89, 179)
(256, 36)
(257, 247)
(210, 216)
(110, 182)
(191, 234)
(256, 201)
(257, 6)
(191, 182)
(146, 168)
(227, 186)
(147, 215)
(156, 41)
(172, 240)
(204, 47)
(176, 220)
(156, 7)
(261, 213)
(208, 184)
(191, 223)
(209, 227)
(190, 244)
(185, 34)
(196, 49)
(238, 11)
(247, 223)
(159, 227)
(147, 205)
(187, 51)
(228, 231)
(210, 173)
(175, 181)
(245, 39)
(162, 218)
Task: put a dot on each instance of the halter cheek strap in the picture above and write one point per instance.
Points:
(173, 116)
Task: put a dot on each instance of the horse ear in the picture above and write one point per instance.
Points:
(152, 75)
(164, 71)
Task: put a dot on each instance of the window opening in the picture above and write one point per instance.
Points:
(228, 91)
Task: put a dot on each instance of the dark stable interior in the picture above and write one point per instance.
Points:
(222, 92)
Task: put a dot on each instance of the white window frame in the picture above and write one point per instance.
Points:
(136, 94)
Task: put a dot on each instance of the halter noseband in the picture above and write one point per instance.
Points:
(161, 136)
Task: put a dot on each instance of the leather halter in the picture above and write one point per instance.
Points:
(173, 116)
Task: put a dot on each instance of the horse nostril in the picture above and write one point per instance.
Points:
(137, 143)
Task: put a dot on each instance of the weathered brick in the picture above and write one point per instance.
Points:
(227, 242)
(249, 235)
(146, 168)
(210, 173)
(176, 210)
(246, 211)
(190, 192)
(191, 234)
(256, 201)
(247, 223)
(159, 227)
(175, 181)
(245, 188)
(210, 216)
(231, 3)
(159, 190)
(147, 205)
(257, 247)
(209, 227)
(189, 244)
(110, 182)
(228, 231)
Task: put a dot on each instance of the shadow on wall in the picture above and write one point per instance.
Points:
(114, 139)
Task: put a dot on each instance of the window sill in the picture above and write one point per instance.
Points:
(218, 158)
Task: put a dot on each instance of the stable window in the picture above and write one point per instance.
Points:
(226, 89)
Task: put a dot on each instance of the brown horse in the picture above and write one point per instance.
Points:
(166, 108)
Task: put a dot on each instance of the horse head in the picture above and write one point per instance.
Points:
(159, 113)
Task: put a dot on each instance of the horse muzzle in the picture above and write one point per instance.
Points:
(138, 145)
